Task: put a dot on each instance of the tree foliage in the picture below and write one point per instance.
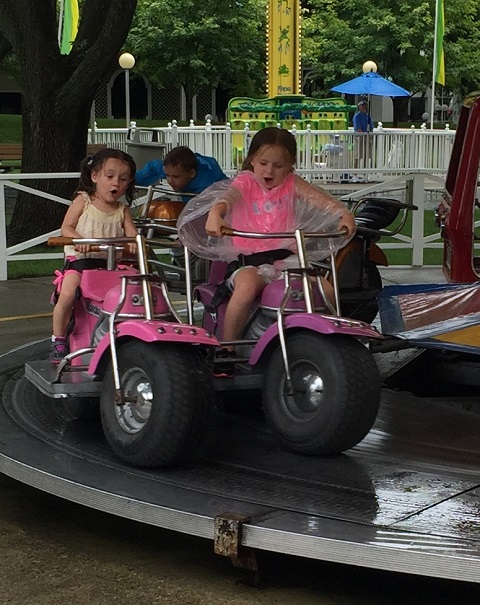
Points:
(340, 35)
(201, 44)
(57, 92)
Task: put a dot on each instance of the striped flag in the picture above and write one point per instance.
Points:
(70, 26)
(439, 33)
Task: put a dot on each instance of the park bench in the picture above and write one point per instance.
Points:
(11, 155)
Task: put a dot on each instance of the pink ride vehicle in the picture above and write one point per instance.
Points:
(131, 349)
(320, 386)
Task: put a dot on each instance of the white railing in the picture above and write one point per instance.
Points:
(413, 181)
(113, 137)
(323, 155)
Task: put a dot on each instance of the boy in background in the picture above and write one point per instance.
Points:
(185, 172)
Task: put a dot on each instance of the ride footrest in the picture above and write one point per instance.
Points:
(243, 377)
(43, 375)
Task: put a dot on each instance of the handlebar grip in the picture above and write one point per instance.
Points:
(227, 231)
(60, 241)
(232, 232)
(68, 241)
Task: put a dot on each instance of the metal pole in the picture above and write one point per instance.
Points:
(434, 66)
(60, 21)
(3, 235)
(127, 97)
(93, 134)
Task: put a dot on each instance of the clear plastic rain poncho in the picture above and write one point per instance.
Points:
(252, 208)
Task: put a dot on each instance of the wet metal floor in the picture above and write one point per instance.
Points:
(406, 499)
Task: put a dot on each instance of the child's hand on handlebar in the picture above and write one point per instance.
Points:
(83, 248)
(215, 221)
(132, 248)
(347, 221)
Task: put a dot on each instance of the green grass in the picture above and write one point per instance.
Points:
(431, 256)
(404, 257)
(33, 268)
(10, 128)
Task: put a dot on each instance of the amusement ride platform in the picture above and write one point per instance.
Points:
(406, 499)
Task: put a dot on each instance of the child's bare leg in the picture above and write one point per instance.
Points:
(247, 286)
(63, 309)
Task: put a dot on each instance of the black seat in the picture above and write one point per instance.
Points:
(376, 216)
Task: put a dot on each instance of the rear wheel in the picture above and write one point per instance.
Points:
(335, 393)
(165, 414)
(362, 303)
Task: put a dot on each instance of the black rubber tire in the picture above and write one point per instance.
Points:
(345, 378)
(172, 431)
(365, 310)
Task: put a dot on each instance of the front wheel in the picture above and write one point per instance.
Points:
(166, 393)
(335, 393)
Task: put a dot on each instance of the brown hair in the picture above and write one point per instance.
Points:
(181, 156)
(271, 136)
(96, 162)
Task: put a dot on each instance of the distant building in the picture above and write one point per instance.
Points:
(146, 101)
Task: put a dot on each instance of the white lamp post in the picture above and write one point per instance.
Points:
(126, 62)
(369, 66)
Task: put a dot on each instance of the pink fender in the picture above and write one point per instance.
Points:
(154, 331)
(323, 324)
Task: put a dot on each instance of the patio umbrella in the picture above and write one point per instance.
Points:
(371, 83)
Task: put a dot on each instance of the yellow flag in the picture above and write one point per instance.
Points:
(70, 26)
(440, 32)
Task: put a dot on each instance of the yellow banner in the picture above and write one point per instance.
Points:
(283, 48)
(70, 26)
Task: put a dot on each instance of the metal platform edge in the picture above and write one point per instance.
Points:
(267, 535)
(269, 529)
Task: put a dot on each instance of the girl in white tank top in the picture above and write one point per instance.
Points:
(95, 212)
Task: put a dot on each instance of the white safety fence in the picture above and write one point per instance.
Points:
(324, 155)
(413, 181)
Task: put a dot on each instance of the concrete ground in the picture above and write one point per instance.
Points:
(56, 552)
(25, 311)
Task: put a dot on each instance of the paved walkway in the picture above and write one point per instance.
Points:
(25, 311)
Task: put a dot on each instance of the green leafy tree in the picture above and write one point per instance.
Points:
(462, 46)
(201, 44)
(340, 35)
(57, 93)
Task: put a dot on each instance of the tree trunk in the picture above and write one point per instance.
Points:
(190, 91)
(56, 145)
(57, 94)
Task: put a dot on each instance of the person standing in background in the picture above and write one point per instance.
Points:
(362, 123)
